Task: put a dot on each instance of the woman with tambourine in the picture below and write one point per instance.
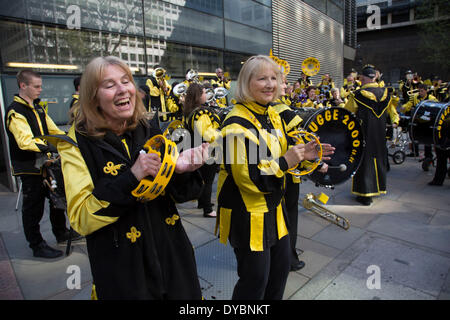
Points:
(251, 182)
(203, 124)
(137, 249)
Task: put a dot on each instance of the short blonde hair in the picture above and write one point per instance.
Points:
(89, 119)
(251, 68)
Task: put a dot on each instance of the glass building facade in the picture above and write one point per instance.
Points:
(174, 34)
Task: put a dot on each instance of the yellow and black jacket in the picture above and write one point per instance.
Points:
(203, 123)
(416, 99)
(251, 178)
(311, 104)
(347, 88)
(372, 104)
(224, 84)
(158, 96)
(75, 99)
(24, 122)
(137, 250)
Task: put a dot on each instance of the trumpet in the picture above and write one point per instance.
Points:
(310, 203)
(159, 73)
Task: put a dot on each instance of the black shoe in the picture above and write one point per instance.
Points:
(76, 238)
(43, 250)
(434, 183)
(366, 201)
(297, 265)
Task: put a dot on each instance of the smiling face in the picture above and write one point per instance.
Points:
(263, 85)
(116, 96)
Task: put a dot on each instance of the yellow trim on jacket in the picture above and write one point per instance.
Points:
(81, 203)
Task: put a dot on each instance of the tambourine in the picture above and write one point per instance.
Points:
(167, 150)
(298, 137)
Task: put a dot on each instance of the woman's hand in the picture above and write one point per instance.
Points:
(192, 159)
(147, 164)
(312, 150)
(294, 155)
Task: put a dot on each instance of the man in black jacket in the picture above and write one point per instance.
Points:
(25, 120)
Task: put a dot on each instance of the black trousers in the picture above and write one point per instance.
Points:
(208, 172)
(441, 165)
(262, 274)
(34, 194)
(291, 201)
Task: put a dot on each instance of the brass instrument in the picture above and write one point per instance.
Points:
(180, 90)
(192, 75)
(411, 92)
(209, 95)
(310, 203)
(159, 73)
(220, 93)
(310, 66)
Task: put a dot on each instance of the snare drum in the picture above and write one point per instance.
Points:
(430, 124)
(340, 128)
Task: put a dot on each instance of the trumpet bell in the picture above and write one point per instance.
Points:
(159, 73)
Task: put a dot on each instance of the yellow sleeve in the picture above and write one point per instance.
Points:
(344, 93)
(81, 203)
(227, 85)
(392, 110)
(407, 106)
(351, 104)
(154, 91)
(52, 127)
(204, 126)
(18, 125)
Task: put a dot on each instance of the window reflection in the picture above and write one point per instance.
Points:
(250, 13)
(242, 38)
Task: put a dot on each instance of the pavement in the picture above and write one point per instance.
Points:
(396, 249)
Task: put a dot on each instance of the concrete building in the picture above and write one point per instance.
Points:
(401, 35)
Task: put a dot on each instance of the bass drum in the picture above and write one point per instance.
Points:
(340, 128)
(430, 124)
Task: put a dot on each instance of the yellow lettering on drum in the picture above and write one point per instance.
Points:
(328, 115)
(356, 143)
(319, 119)
(346, 118)
(355, 133)
(351, 125)
(335, 114)
(313, 127)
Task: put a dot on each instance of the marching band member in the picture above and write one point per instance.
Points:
(371, 104)
(175, 105)
(292, 123)
(312, 100)
(325, 85)
(410, 83)
(335, 100)
(137, 250)
(250, 184)
(304, 81)
(203, 124)
(413, 102)
(26, 119)
(221, 81)
(159, 91)
(349, 86)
